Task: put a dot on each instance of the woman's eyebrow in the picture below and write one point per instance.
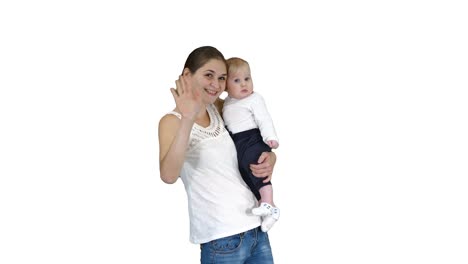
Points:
(211, 71)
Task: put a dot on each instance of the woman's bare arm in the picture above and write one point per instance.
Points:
(174, 134)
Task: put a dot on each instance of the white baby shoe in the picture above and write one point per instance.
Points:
(269, 220)
(263, 210)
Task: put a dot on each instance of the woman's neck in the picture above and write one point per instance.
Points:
(203, 118)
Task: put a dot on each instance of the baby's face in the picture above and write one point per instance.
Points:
(239, 83)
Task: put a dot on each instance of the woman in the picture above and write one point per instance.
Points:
(194, 144)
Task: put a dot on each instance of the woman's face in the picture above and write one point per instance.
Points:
(210, 79)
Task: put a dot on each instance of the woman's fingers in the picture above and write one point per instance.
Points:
(264, 168)
(184, 82)
(263, 158)
(262, 171)
(179, 87)
(183, 86)
(174, 94)
(267, 179)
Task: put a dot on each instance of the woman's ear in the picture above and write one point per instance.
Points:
(186, 72)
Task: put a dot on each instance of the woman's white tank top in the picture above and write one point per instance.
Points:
(219, 201)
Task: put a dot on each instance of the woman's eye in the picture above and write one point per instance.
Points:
(222, 78)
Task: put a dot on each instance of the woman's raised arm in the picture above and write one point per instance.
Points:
(174, 133)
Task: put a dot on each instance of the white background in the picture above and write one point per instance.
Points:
(368, 97)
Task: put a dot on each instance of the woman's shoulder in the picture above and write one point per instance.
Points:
(170, 120)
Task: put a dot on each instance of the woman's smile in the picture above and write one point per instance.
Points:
(211, 92)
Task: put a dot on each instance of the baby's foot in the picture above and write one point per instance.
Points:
(263, 210)
(270, 220)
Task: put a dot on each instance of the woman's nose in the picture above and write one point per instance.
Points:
(215, 84)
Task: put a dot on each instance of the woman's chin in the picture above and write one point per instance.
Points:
(209, 99)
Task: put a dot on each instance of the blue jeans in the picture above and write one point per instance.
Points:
(252, 246)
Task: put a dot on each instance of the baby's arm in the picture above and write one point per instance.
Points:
(264, 121)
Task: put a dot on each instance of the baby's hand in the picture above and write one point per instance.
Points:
(273, 144)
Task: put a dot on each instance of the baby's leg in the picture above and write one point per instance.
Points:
(266, 201)
(266, 193)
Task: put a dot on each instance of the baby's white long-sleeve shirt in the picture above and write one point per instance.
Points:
(249, 113)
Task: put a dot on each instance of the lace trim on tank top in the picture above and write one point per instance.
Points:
(199, 133)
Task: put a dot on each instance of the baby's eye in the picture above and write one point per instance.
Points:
(236, 80)
(247, 78)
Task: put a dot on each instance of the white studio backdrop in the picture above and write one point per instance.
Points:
(368, 97)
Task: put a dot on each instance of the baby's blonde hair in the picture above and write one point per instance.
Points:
(234, 63)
